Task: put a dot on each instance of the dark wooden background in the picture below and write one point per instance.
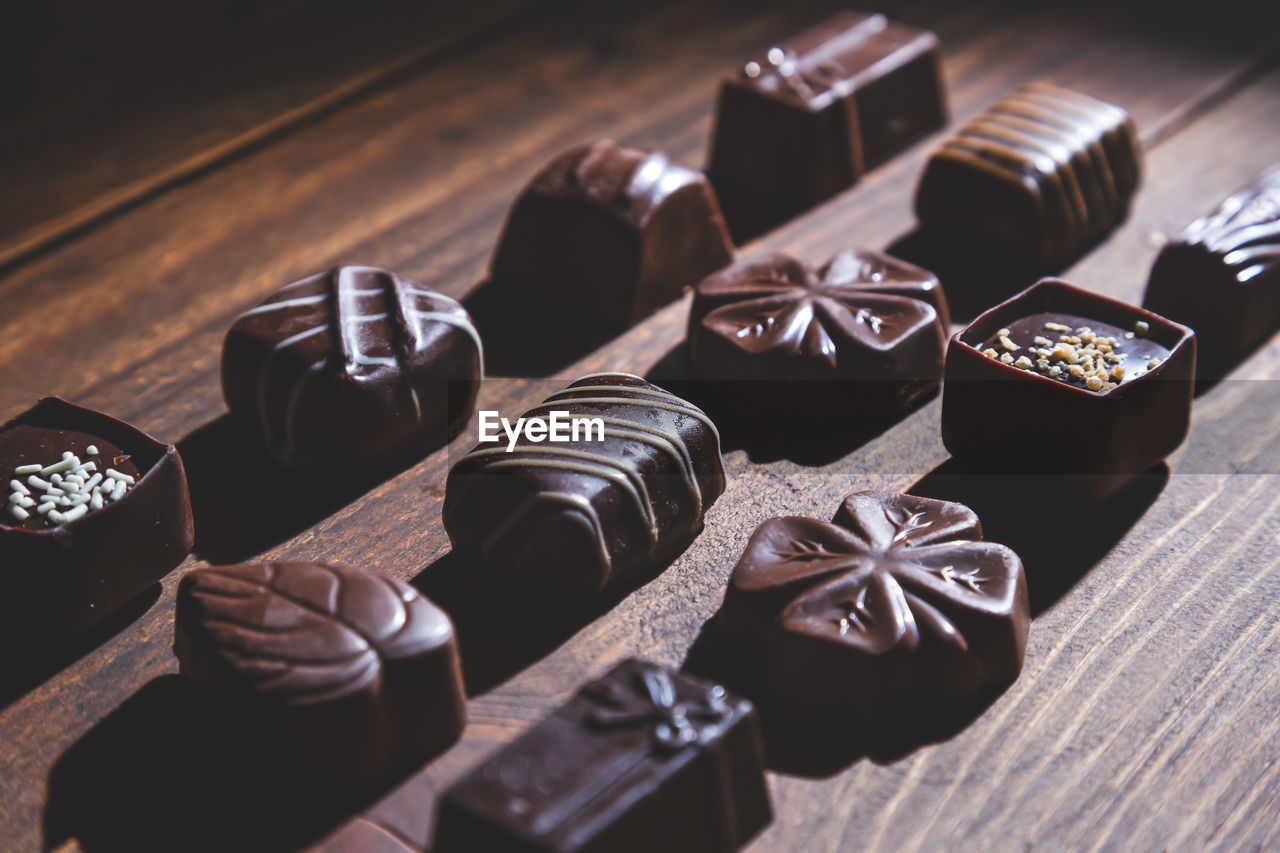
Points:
(163, 166)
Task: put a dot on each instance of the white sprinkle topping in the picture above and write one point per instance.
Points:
(19, 513)
(69, 461)
(75, 512)
(91, 450)
(72, 487)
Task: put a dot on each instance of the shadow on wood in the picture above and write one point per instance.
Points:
(22, 673)
(767, 438)
(974, 276)
(526, 336)
(504, 626)
(1057, 532)
(244, 503)
(158, 773)
(816, 743)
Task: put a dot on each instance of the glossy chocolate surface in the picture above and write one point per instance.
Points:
(581, 514)
(1221, 276)
(1043, 174)
(1013, 417)
(1087, 353)
(612, 232)
(863, 335)
(642, 759)
(28, 445)
(806, 118)
(896, 600)
(63, 579)
(343, 675)
(355, 367)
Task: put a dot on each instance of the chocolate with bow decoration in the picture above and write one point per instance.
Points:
(896, 600)
(342, 676)
(612, 232)
(642, 759)
(1221, 276)
(354, 368)
(863, 335)
(813, 113)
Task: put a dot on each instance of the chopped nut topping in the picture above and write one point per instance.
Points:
(1008, 344)
(1153, 364)
(1141, 327)
(1057, 327)
(1117, 373)
(1093, 383)
(990, 353)
(1023, 362)
(1055, 371)
(1006, 358)
(1041, 341)
(1003, 333)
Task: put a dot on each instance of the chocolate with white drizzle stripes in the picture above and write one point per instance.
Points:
(581, 514)
(354, 367)
(1044, 172)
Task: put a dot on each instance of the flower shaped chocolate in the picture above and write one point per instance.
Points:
(897, 599)
(866, 332)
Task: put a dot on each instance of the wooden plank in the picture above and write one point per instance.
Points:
(109, 105)
(149, 294)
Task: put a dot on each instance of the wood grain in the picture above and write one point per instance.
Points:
(1145, 715)
(113, 104)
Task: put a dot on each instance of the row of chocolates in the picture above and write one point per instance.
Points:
(358, 368)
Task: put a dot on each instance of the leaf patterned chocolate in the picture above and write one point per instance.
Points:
(612, 232)
(353, 367)
(345, 674)
(642, 759)
(896, 600)
(582, 513)
(862, 335)
(1221, 276)
(1044, 173)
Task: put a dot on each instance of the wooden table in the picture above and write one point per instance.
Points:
(158, 175)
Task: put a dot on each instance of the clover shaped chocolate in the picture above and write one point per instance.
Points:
(863, 335)
(896, 600)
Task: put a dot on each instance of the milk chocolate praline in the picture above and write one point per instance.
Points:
(612, 232)
(338, 676)
(1041, 175)
(640, 760)
(63, 579)
(584, 514)
(862, 335)
(809, 115)
(1013, 418)
(356, 368)
(895, 601)
(1221, 276)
